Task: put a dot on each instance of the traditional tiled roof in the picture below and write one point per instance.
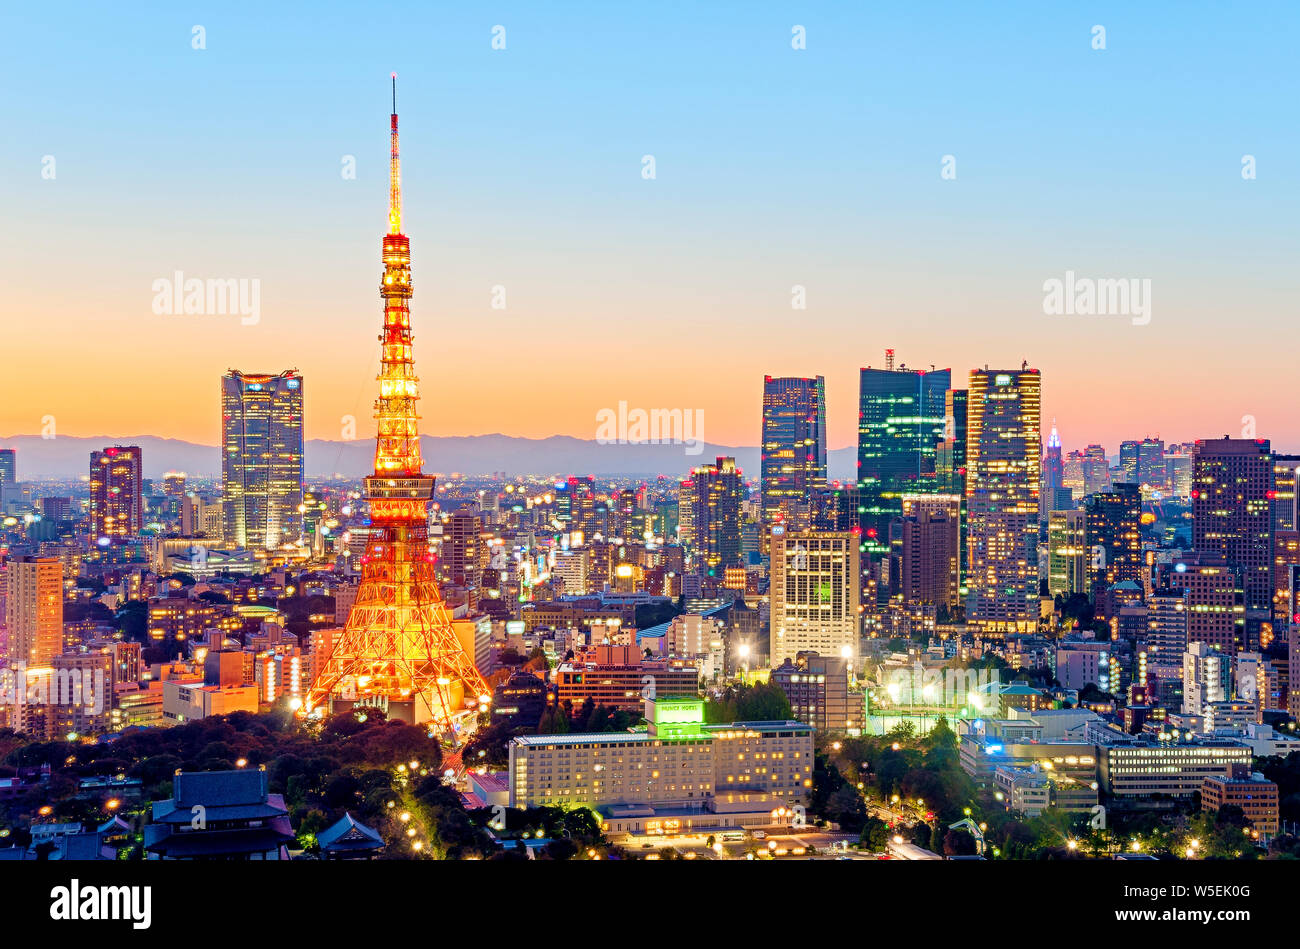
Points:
(348, 833)
(223, 796)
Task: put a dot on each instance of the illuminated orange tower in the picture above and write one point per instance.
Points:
(398, 650)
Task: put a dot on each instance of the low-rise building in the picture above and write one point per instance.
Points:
(1024, 791)
(675, 773)
(1143, 770)
(620, 677)
(1257, 797)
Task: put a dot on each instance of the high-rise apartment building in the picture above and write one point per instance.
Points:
(8, 466)
(463, 553)
(714, 496)
(815, 594)
(261, 458)
(1166, 636)
(34, 609)
(1114, 537)
(1003, 446)
(1284, 492)
(793, 462)
(1286, 555)
(1067, 553)
(1207, 677)
(901, 421)
(1216, 614)
(930, 558)
(1232, 515)
(116, 495)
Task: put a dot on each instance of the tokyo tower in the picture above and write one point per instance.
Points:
(398, 650)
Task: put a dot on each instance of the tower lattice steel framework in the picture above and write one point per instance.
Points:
(398, 650)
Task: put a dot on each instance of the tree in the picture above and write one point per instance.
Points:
(846, 807)
(875, 835)
(958, 843)
(763, 703)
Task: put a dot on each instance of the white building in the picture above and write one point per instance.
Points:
(815, 594)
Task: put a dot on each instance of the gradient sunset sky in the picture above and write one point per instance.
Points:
(775, 168)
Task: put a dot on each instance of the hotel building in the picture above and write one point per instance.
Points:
(674, 774)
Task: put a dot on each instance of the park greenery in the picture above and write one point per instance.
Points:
(387, 774)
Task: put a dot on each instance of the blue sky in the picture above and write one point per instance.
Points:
(818, 167)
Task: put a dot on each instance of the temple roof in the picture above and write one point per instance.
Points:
(347, 833)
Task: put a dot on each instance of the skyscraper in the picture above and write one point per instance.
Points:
(1003, 440)
(1053, 468)
(714, 496)
(816, 590)
(793, 462)
(116, 492)
(950, 466)
(1284, 492)
(398, 649)
(1128, 460)
(930, 562)
(1232, 492)
(1067, 553)
(1114, 537)
(1055, 495)
(261, 458)
(34, 610)
(8, 466)
(901, 421)
(1215, 609)
(1151, 469)
(1096, 469)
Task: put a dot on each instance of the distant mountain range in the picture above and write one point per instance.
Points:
(66, 457)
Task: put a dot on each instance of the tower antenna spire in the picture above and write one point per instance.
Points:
(394, 172)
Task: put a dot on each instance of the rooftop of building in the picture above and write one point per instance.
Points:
(223, 795)
(348, 833)
(641, 736)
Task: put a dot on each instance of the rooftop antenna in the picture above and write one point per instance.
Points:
(394, 173)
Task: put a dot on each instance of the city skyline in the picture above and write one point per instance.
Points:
(855, 507)
(889, 253)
